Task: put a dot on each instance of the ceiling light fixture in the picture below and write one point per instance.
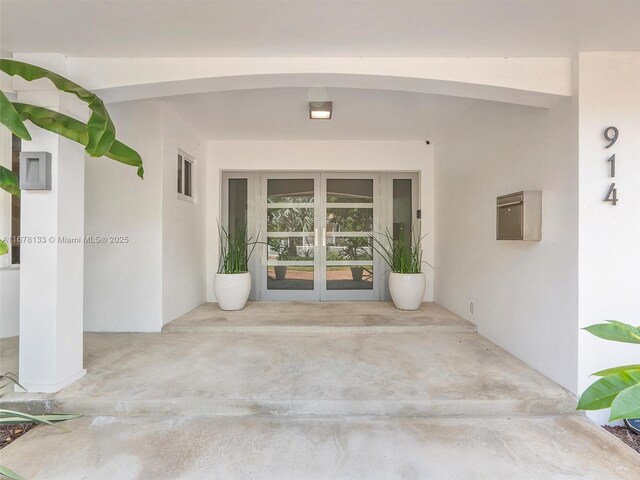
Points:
(320, 110)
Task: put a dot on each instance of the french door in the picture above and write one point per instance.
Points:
(317, 229)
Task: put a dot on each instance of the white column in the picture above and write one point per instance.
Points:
(609, 285)
(51, 277)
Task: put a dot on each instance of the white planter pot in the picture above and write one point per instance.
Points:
(407, 290)
(232, 290)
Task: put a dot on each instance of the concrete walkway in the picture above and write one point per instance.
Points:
(312, 393)
(323, 448)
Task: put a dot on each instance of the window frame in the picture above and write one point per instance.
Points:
(181, 177)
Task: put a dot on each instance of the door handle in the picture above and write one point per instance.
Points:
(324, 236)
(315, 238)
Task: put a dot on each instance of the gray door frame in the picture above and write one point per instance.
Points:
(257, 224)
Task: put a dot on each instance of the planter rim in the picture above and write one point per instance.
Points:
(399, 273)
(239, 273)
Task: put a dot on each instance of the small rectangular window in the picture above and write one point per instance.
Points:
(186, 171)
(187, 178)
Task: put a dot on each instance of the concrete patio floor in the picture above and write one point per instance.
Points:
(304, 374)
(327, 448)
(310, 391)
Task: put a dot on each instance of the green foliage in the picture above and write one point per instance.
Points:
(236, 249)
(351, 219)
(100, 129)
(403, 255)
(355, 248)
(76, 130)
(9, 181)
(12, 417)
(290, 219)
(98, 135)
(618, 387)
(11, 118)
(615, 331)
(4, 471)
(280, 248)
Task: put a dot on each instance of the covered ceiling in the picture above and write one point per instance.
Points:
(436, 28)
(282, 114)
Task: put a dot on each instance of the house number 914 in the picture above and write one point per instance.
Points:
(611, 135)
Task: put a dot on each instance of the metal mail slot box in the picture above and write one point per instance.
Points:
(519, 216)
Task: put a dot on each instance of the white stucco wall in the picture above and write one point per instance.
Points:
(159, 274)
(609, 236)
(525, 294)
(183, 222)
(319, 156)
(123, 282)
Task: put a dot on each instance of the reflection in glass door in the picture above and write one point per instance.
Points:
(349, 217)
(291, 236)
(316, 230)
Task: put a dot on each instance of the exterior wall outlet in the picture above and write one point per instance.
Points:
(35, 171)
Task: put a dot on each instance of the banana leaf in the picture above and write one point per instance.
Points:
(100, 128)
(9, 181)
(10, 118)
(77, 131)
(615, 331)
(4, 248)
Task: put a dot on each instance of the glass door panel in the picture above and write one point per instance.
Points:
(291, 238)
(349, 263)
(349, 218)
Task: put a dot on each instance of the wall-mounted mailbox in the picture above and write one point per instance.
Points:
(35, 171)
(519, 216)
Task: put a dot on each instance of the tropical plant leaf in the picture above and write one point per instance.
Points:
(127, 155)
(4, 471)
(75, 130)
(4, 248)
(601, 393)
(611, 371)
(615, 331)
(54, 417)
(12, 377)
(100, 128)
(12, 414)
(626, 404)
(9, 181)
(10, 118)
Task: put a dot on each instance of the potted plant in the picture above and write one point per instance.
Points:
(403, 254)
(282, 251)
(232, 283)
(354, 249)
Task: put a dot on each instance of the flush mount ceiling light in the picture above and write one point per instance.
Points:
(320, 110)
